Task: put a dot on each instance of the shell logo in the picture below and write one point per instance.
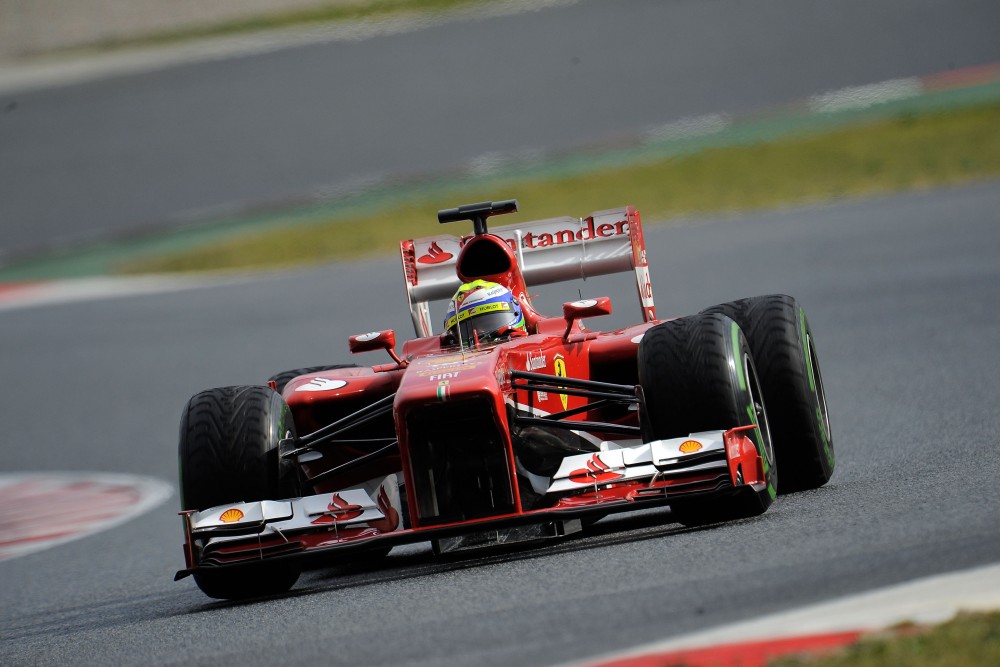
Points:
(690, 446)
(231, 515)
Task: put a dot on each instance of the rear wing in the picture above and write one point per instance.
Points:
(547, 251)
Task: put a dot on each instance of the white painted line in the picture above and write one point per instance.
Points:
(861, 97)
(45, 73)
(15, 296)
(931, 600)
(43, 510)
(695, 126)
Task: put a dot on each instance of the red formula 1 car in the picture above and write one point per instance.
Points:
(509, 425)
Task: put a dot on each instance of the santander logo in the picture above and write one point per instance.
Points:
(588, 232)
(596, 471)
(341, 511)
(435, 255)
(391, 520)
(552, 235)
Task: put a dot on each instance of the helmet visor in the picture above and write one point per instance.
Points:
(486, 325)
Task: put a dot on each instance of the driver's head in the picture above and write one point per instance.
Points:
(481, 312)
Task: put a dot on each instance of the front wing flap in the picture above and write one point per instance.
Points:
(698, 453)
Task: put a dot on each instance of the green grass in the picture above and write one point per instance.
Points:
(909, 151)
(969, 640)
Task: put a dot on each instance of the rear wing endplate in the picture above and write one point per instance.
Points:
(547, 251)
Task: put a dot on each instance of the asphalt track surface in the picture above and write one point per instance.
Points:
(901, 292)
(82, 162)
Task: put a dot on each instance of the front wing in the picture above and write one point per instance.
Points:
(315, 528)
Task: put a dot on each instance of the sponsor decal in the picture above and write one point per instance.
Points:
(535, 361)
(584, 303)
(231, 515)
(595, 472)
(341, 511)
(444, 377)
(448, 359)
(645, 285)
(391, 520)
(478, 291)
(560, 369)
(481, 294)
(476, 310)
(690, 446)
(588, 232)
(364, 338)
(638, 339)
(322, 384)
(435, 255)
(454, 367)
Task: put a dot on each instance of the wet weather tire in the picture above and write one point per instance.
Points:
(228, 453)
(229, 447)
(784, 350)
(697, 374)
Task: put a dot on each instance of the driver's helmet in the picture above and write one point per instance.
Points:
(481, 312)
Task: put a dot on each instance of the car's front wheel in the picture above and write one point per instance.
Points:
(697, 374)
(784, 349)
(228, 453)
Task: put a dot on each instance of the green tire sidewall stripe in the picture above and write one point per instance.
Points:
(821, 422)
(738, 357)
(805, 350)
(758, 438)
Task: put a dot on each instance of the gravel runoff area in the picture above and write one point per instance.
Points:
(34, 27)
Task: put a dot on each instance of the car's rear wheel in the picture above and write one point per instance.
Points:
(697, 374)
(784, 349)
(228, 453)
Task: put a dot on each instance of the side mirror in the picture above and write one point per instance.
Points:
(578, 310)
(375, 340)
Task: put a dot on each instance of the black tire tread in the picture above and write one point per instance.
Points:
(690, 356)
(773, 330)
(228, 452)
(688, 385)
(221, 458)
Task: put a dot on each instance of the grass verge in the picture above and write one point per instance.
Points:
(908, 151)
(969, 640)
